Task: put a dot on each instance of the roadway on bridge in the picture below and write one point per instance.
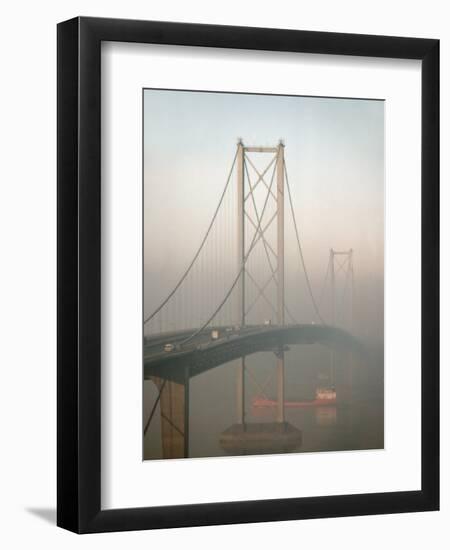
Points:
(195, 353)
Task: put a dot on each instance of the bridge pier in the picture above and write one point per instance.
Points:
(260, 438)
(174, 407)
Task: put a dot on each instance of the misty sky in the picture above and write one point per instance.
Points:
(334, 152)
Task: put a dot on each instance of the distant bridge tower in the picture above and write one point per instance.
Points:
(246, 194)
(341, 261)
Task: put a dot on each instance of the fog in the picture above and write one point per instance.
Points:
(334, 154)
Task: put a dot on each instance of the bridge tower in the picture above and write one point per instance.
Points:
(246, 193)
(341, 261)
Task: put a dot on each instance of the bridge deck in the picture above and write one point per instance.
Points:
(202, 353)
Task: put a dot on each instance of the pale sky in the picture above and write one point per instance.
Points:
(334, 152)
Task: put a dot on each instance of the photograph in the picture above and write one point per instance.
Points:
(263, 274)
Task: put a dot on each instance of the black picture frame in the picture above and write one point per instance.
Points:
(79, 276)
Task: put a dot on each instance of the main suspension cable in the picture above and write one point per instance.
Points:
(177, 286)
(308, 283)
(324, 284)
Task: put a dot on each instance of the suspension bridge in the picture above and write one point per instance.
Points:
(231, 301)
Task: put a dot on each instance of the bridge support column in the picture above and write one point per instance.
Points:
(240, 292)
(280, 386)
(348, 375)
(280, 278)
(240, 392)
(333, 319)
(174, 407)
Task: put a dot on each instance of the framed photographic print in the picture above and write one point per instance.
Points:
(248, 288)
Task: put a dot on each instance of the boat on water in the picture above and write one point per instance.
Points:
(323, 397)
